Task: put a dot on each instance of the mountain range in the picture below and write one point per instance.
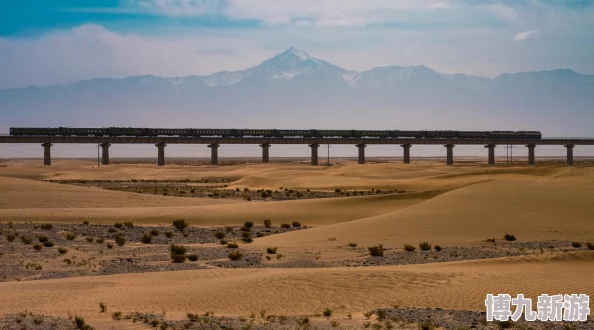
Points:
(296, 90)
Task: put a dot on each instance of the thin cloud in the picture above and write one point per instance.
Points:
(532, 34)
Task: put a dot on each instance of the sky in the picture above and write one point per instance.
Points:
(51, 42)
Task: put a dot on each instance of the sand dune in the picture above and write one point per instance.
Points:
(457, 285)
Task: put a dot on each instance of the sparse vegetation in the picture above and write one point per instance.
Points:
(10, 237)
(590, 246)
(425, 246)
(409, 248)
(37, 247)
(48, 244)
(62, 250)
(43, 239)
(509, 237)
(271, 250)
(576, 244)
(118, 225)
(128, 224)
(100, 240)
(109, 246)
(79, 322)
(85, 222)
(120, 240)
(232, 245)
(235, 255)
(490, 240)
(437, 248)
(25, 240)
(70, 236)
(248, 224)
(219, 235)
(177, 253)
(146, 239)
(353, 245)
(192, 257)
(296, 224)
(327, 312)
(154, 232)
(169, 234)
(376, 251)
(89, 239)
(267, 223)
(46, 226)
(116, 315)
(180, 224)
(247, 239)
(102, 307)
(285, 226)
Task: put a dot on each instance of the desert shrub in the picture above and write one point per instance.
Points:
(334, 323)
(112, 230)
(590, 246)
(296, 224)
(62, 250)
(180, 224)
(490, 240)
(376, 251)
(368, 314)
(169, 234)
(192, 257)
(102, 307)
(120, 240)
(409, 248)
(327, 312)
(426, 326)
(79, 322)
(109, 246)
(267, 223)
(43, 239)
(219, 235)
(437, 248)
(154, 232)
(245, 229)
(100, 240)
(116, 315)
(85, 222)
(509, 237)
(118, 225)
(248, 224)
(48, 244)
(576, 244)
(245, 234)
(353, 245)
(271, 250)
(425, 246)
(235, 255)
(229, 228)
(10, 237)
(37, 247)
(223, 242)
(337, 190)
(177, 253)
(128, 224)
(89, 239)
(46, 226)
(146, 239)
(25, 240)
(70, 236)
(247, 239)
(232, 245)
(285, 226)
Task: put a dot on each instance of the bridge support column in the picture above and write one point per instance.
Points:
(314, 153)
(450, 154)
(265, 152)
(569, 154)
(531, 147)
(361, 152)
(214, 154)
(47, 154)
(491, 153)
(160, 153)
(105, 153)
(406, 158)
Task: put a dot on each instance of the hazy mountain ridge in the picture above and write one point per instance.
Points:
(294, 89)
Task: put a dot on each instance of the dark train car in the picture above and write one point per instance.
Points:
(408, 134)
(170, 132)
(334, 133)
(473, 135)
(34, 131)
(440, 134)
(127, 131)
(372, 134)
(75, 131)
(294, 133)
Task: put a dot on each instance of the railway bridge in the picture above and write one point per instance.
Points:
(314, 143)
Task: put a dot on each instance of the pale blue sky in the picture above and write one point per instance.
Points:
(49, 42)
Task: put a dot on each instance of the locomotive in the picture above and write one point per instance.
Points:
(269, 133)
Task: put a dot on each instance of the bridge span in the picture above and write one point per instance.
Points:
(314, 143)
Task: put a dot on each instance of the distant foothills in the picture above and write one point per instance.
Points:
(296, 90)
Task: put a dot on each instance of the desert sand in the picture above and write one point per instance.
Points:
(460, 205)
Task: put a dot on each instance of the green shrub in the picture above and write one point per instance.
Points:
(509, 237)
(146, 239)
(48, 244)
(70, 236)
(232, 245)
(576, 244)
(46, 226)
(425, 246)
(62, 250)
(409, 248)
(337, 190)
(590, 246)
(490, 240)
(247, 239)
(169, 234)
(118, 225)
(192, 257)
(43, 239)
(109, 245)
(79, 322)
(229, 228)
(37, 247)
(353, 245)
(180, 224)
(285, 226)
(437, 248)
(327, 312)
(235, 255)
(376, 251)
(155, 232)
(85, 222)
(296, 224)
(219, 235)
(267, 223)
(120, 240)
(248, 224)
(100, 240)
(271, 250)
(25, 240)
(112, 230)
(102, 307)
(128, 224)
(177, 249)
(116, 316)
(223, 242)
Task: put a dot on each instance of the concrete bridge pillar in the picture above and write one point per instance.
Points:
(214, 154)
(265, 152)
(531, 147)
(406, 158)
(361, 152)
(450, 153)
(160, 153)
(491, 153)
(105, 153)
(314, 153)
(47, 154)
(569, 154)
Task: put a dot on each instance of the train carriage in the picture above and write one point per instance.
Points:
(473, 135)
(334, 133)
(127, 131)
(34, 131)
(293, 133)
(409, 134)
(372, 134)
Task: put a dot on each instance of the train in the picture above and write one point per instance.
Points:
(269, 133)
